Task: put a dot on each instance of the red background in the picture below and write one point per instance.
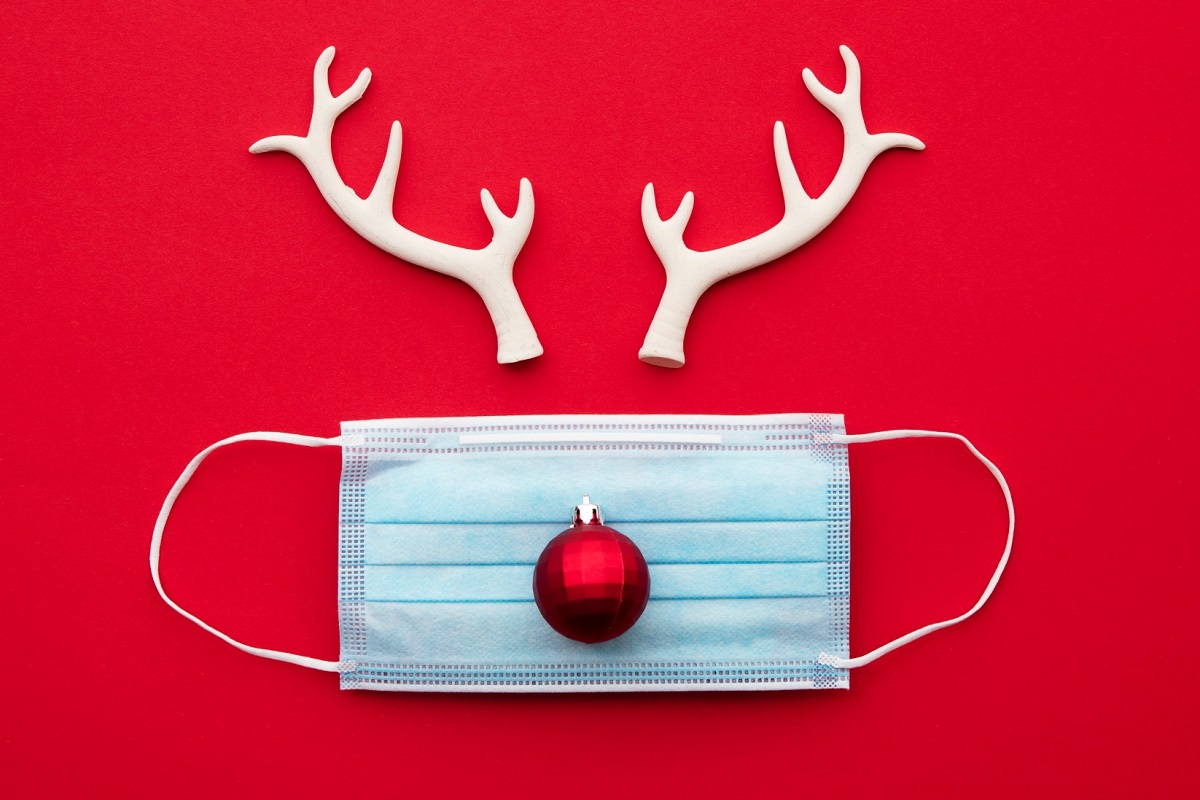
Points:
(1029, 280)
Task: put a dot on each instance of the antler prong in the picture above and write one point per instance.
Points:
(288, 144)
(495, 216)
(789, 180)
(853, 88)
(321, 73)
(823, 95)
(886, 141)
(488, 270)
(683, 215)
(355, 92)
(384, 192)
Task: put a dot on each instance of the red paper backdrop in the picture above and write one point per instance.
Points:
(1029, 280)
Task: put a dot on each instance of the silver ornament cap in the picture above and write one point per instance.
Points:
(586, 513)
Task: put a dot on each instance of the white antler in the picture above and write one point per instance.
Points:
(691, 272)
(487, 271)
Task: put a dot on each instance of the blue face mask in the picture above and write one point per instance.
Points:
(744, 523)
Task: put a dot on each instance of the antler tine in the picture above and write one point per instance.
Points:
(488, 270)
(789, 180)
(384, 192)
(691, 272)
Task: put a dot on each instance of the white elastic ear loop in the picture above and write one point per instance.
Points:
(850, 663)
(161, 523)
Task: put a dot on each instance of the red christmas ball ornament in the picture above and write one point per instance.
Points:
(591, 583)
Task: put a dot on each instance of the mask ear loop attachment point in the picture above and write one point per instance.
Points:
(880, 436)
(161, 524)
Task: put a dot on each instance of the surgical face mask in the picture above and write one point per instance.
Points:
(744, 523)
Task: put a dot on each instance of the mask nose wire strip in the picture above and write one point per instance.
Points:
(850, 663)
(161, 523)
